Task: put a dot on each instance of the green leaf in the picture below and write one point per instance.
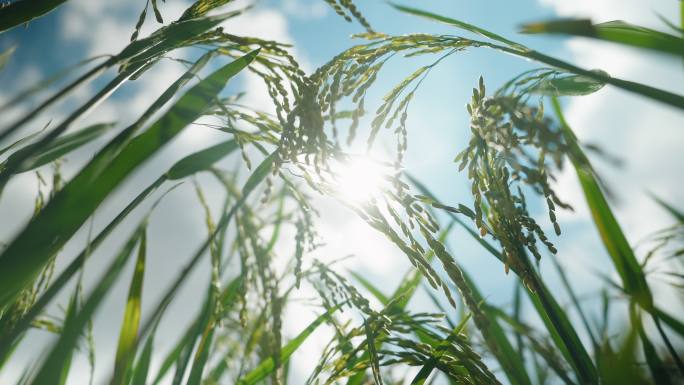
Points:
(188, 338)
(28, 138)
(201, 160)
(201, 7)
(76, 264)
(563, 333)
(670, 321)
(72, 205)
(267, 366)
(655, 364)
(569, 85)
(613, 31)
(520, 50)
(377, 293)
(135, 58)
(201, 356)
(58, 148)
(257, 177)
(260, 173)
(575, 301)
(508, 357)
(22, 11)
(51, 369)
(54, 133)
(621, 253)
(142, 367)
(131, 320)
(456, 23)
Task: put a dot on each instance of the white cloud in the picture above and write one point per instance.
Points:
(303, 9)
(635, 11)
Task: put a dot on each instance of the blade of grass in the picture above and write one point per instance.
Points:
(23, 95)
(22, 11)
(377, 293)
(535, 346)
(517, 312)
(671, 321)
(27, 139)
(568, 85)
(613, 31)
(575, 302)
(626, 264)
(457, 23)
(58, 148)
(508, 358)
(676, 214)
(201, 160)
(20, 159)
(142, 367)
(201, 356)
(267, 366)
(72, 205)
(54, 363)
(252, 182)
(527, 53)
(138, 57)
(182, 168)
(11, 337)
(207, 328)
(131, 320)
(655, 364)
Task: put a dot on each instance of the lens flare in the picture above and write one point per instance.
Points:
(359, 178)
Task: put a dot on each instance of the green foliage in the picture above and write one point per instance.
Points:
(23, 11)
(613, 31)
(514, 152)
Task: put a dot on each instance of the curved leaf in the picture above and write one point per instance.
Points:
(58, 148)
(616, 31)
(201, 160)
(569, 85)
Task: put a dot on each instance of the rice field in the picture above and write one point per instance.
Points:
(333, 136)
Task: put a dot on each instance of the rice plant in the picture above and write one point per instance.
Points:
(517, 143)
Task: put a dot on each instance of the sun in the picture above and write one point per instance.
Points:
(359, 178)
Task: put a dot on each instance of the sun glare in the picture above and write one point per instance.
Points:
(359, 178)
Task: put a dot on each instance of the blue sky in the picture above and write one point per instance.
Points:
(646, 134)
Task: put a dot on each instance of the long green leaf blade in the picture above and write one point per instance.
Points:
(22, 11)
(67, 211)
(58, 148)
(201, 160)
(613, 31)
(51, 368)
(621, 253)
(131, 320)
(267, 366)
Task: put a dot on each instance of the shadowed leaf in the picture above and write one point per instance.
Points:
(22, 11)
